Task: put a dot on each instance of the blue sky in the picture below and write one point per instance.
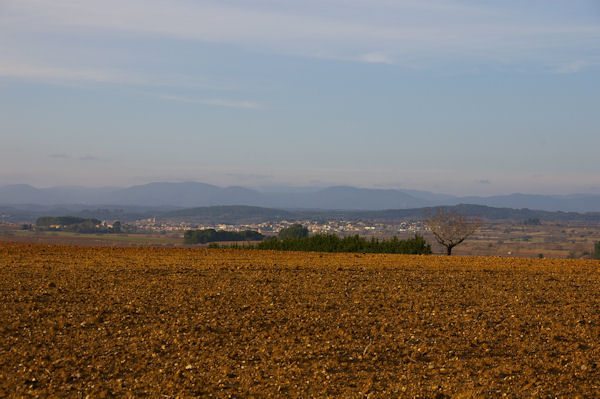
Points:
(461, 97)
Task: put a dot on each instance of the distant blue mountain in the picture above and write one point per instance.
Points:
(190, 194)
(194, 194)
(345, 197)
(565, 203)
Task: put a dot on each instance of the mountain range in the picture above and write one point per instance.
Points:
(194, 194)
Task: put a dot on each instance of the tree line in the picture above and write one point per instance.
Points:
(63, 221)
(212, 235)
(70, 223)
(332, 243)
(75, 224)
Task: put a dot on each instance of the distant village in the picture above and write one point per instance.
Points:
(339, 227)
(269, 228)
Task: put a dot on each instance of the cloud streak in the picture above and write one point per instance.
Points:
(402, 33)
(23, 70)
(84, 158)
(215, 102)
(571, 67)
(60, 156)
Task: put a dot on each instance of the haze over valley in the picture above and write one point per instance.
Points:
(192, 194)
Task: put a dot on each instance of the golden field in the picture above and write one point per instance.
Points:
(173, 322)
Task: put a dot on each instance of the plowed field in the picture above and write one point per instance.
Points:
(115, 322)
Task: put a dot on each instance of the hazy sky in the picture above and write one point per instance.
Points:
(463, 97)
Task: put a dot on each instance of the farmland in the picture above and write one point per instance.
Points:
(119, 321)
(552, 240)
(80, 239)
(572, 239)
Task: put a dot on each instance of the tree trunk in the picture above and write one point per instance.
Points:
(449, 250)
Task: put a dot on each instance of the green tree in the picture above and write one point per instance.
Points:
(292, 232)
(116, 227)
(596, 254)
(355, 243)
(212, 235)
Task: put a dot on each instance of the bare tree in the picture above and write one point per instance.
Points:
(450, 228)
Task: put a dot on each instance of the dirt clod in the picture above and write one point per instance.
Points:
(131, 322)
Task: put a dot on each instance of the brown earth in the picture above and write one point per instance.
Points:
(115, 322)
(99, 240)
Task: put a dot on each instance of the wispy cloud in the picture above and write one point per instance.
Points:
(378, 31)
(60, 156)
(376, 58)
(87, 157)
(44, 71)
(215, 102)
(571, 67)
(23, 70)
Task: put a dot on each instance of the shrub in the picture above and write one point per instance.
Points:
(292, 232)
(212, 235)
(596, 254)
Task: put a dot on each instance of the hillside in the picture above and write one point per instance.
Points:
(194, 194)
(236, 214)
(228, 214)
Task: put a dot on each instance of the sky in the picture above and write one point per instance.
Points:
(460, 97)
